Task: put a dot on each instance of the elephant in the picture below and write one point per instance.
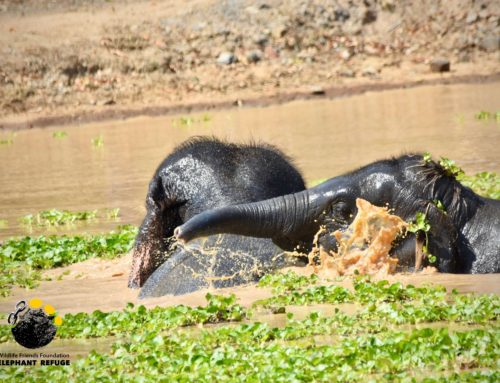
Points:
(201, 174)
(464, 233)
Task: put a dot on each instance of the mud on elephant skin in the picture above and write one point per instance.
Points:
(465, 237)
(202, 174)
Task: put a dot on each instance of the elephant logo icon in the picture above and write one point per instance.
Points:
(34, 326)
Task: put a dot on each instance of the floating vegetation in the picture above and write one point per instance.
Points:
(187, 121)
(23, 258)
(55, 217)
(486, 184)
(139, 319)
(422, 225)
(59, 134)
(8, 141)
(281, 282)
(4, 224)
(487, 116)
(378, 343)
(113, 213)
(98, 141)
(483, 115)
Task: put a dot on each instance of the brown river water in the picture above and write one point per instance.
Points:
(325, 137)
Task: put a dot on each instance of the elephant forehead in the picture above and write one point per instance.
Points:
(378, 180)
(190, 177)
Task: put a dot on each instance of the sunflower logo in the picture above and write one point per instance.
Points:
(34, 326)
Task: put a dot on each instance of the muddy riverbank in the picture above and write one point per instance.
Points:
(84, 116)
(93, 60)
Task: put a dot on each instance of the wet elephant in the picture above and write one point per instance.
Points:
(464, 237)
(203, 174)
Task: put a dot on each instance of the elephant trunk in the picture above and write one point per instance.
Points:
(291, 218)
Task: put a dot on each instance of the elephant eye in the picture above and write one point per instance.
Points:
(341, 211)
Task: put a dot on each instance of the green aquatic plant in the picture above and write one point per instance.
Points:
(98, 141)
(281, 282)
(312, 295)
(22, 258)
(8, 141)
(134, 320)
(365, 291)
(486, 184)
(55, 217)
(450, 167)
(220, 355)
(113, 213)
(372, 344)
(439, 205)
(187, 121)
(483, 115)
(59, 134)
(206, 118)
(4, 224)
(422, 225)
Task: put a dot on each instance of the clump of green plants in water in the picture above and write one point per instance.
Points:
(4, 224)
(365, 291)
(7, 141)
(485, 115)
(113, 213)
(59, 134)
(281, 282)
(484, 183)
(55, 217)
(394, 357)
(98, 141)
(421, 225)
(139, 319)
(368, 345)
(187, 121)
(23, 258)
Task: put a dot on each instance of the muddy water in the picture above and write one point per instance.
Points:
(326, 137)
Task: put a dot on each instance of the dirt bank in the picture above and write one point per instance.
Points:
(84, 60)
